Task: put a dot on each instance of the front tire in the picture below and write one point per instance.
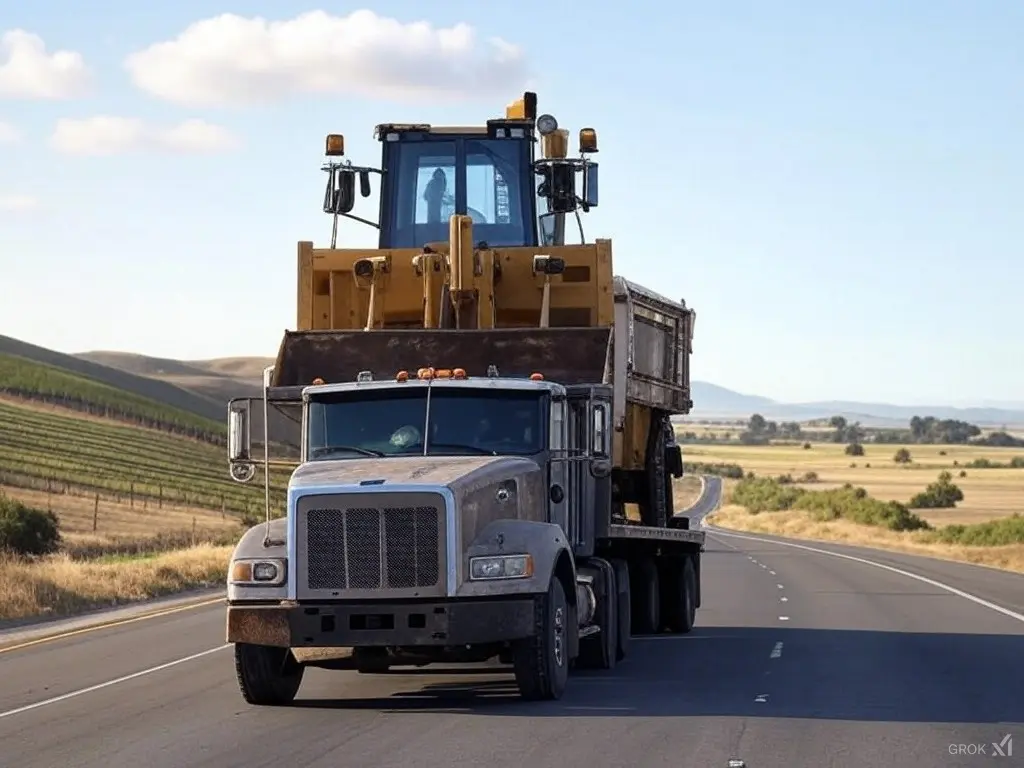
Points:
(541, 662)
(267, 675)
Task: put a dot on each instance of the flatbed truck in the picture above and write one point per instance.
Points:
(486, 447)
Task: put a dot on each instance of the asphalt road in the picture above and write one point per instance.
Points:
(800, 658)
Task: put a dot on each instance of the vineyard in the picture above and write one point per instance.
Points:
(62, 453)
(29, 380)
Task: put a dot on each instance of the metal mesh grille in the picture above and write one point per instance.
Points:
(373, 548)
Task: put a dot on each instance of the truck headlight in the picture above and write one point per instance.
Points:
(501, 567)
(258, 572)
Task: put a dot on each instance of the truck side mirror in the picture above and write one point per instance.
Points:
(590, 186)
(341, 191)
(239, 441)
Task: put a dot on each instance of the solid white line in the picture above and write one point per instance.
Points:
(776, 651)
(864, 561)
(772, 573)
(780, 586)
(109, 683)
(783, 599)
(783, 618)
(761, 698)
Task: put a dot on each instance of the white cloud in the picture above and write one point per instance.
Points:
(9, 134)
(108, 135)
(18, 203)
(28, 71)
(231, 60)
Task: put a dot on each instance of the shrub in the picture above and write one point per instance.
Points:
(902, 456)
(994, 533)
(807, 446)
(942, 494)
(733, 471)
(854, 449)
(809, 477)
(26, 531)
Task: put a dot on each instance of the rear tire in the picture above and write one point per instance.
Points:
(541, 662)
(646, 598)
(680, 598)
(267, 675)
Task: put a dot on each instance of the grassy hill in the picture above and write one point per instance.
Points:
(216, 380)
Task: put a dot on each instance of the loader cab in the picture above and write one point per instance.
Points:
(431, 174)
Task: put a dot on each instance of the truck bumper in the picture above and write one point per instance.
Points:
(332, 625)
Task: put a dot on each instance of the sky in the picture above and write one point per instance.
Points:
(836, 189)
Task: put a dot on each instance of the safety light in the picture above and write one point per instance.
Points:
(402, 376)
(588, 140)
(318, 381)
(536, 377)
(335, 145)
(459, 373)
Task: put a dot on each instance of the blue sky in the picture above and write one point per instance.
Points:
(836, 188)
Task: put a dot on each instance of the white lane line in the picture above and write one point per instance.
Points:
(864, 561)
(772, 573)
(783, 618)
(762, 698)
(783, 599)
(776, 651)
(109, 683)
(780, 586)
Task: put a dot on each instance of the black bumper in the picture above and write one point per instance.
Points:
(334, 625)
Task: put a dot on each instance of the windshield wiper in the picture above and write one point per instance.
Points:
(464, 447)
(328, 449)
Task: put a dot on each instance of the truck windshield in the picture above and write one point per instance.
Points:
(463, 421)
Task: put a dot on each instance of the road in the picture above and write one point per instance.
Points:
(800, 658)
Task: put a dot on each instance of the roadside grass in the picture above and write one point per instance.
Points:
(60, 586)
(796, 524)
(989, 494)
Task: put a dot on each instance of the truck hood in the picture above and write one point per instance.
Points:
(445, 471)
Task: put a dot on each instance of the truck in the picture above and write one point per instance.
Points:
(483, 414)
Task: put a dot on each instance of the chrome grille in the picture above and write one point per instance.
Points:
(352, 546)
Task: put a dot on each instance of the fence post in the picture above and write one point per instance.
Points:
(131, 495)
(96, 512)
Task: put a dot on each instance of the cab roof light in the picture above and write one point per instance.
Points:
(402, 376)
(364, 376)
(425, 373)
(588, 141)
(492, 371)
(536, 377)
(459, 373)
(334, 145)
(318, 381)
(442, 373)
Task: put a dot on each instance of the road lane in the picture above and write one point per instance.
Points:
(799, 659)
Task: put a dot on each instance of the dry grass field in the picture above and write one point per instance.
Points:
(988, 493)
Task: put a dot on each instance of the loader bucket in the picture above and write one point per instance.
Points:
(564, 355)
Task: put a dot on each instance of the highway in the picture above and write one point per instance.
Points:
(800, 658)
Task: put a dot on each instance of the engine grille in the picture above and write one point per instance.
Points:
(366, 544)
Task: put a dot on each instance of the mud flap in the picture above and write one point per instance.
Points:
(565, 355)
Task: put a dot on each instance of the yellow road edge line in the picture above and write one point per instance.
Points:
(108, 624)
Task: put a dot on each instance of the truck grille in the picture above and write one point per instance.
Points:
(356, 545)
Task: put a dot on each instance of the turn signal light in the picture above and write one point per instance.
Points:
(536, 377)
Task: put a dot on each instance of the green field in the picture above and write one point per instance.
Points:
(33, 380)
(62, 451)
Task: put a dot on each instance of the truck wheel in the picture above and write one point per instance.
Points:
(541, 662)
(267, 675)
(646, 598)
(600, 651)
(625, 611)
(681, 598)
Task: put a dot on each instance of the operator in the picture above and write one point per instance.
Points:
(434, 195)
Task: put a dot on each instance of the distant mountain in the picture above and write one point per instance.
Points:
(713, 401)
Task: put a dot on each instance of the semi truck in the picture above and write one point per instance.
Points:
(486, 447)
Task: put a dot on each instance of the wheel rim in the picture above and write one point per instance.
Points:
(558, 632)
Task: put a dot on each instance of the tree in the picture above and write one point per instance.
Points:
(757, 424)
(854, 449)
(902, 456)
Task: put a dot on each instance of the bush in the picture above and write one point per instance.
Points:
(26, 531)
(849, 503)
(809, 477)
(733, 471)
(902, 456)
(994, 533)
(942, 494)
(854, 449)
(807, 446)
